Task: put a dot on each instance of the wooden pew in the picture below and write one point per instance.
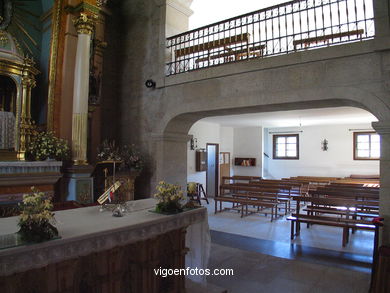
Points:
(256, 51)
(239, 178)
(244, 203)
(267, 194)
(347, 222)
(326, 38)
(312, 181)
(215, 44)
(276, 197)
(336, 193)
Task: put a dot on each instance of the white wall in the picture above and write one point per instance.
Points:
(253, 141)
(248, 143)
(337, 161)
(206, 132)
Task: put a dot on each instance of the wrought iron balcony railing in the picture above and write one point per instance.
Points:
(289, 27)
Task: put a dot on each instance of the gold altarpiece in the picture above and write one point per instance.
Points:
(20, 69)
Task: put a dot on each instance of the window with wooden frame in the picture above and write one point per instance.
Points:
(366, 146)
(286, 146)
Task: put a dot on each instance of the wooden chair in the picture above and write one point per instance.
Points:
(195, 191)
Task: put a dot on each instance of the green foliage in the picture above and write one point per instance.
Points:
(169, 198)
(44, 145)
(128, 155)
(35, 217)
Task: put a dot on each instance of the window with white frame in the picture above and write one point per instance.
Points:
(366, 146)
(286, 146)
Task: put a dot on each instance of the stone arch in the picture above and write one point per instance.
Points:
(174, 138)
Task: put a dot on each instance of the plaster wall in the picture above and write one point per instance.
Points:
(313, 161)
(177, 16)
(248, 144)
(206, 132)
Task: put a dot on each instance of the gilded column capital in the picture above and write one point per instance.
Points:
(85, 23)
(28, 81)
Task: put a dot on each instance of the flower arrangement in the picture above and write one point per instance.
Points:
(36, 217)
(44, 145)
(128, 155)
(131, 158)
(169, 198)
(108, 151)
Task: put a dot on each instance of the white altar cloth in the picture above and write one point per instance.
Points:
(87, 230)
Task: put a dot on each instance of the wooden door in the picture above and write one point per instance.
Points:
(224, 165)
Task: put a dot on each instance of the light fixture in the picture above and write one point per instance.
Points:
(150, 83)
(324, 145)
(193, 143)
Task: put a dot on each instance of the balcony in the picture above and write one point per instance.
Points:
(281, 29)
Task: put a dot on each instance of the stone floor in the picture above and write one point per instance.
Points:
(261, 227)
(265, 260)
(255, 273)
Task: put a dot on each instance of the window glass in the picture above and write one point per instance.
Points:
(286, 146)
(366, 146)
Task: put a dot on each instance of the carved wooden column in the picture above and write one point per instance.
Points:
(84, 25)
(28, 83)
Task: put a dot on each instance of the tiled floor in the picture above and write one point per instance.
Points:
(265, 260)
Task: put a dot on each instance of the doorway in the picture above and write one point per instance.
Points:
(212, 169)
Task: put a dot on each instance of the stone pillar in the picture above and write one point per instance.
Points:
(84, 25)
(171, 152)
(383, 128)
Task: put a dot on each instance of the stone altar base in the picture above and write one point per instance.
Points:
(129, 268)
(17, 178)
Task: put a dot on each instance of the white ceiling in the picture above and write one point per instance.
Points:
(310, 117)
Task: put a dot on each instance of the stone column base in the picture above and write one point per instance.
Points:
(80, 183)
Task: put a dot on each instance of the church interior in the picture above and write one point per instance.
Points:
(144, 151)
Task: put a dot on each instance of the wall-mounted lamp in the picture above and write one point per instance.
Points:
(193, 143)
(150, 83)
(324, 144)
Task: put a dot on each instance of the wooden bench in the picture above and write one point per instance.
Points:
(326, 38)
(330, 221)
(347, 223)
(267, 194)
(244, 203)
(340, 211)
(239, 178)
(215, 44)
(332, 193)
(312, 181)
(256, 51)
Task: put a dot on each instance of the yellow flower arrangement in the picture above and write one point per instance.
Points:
(169, 198)
(44, 145)
(35, 217)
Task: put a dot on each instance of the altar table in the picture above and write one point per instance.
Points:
(101, 253)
